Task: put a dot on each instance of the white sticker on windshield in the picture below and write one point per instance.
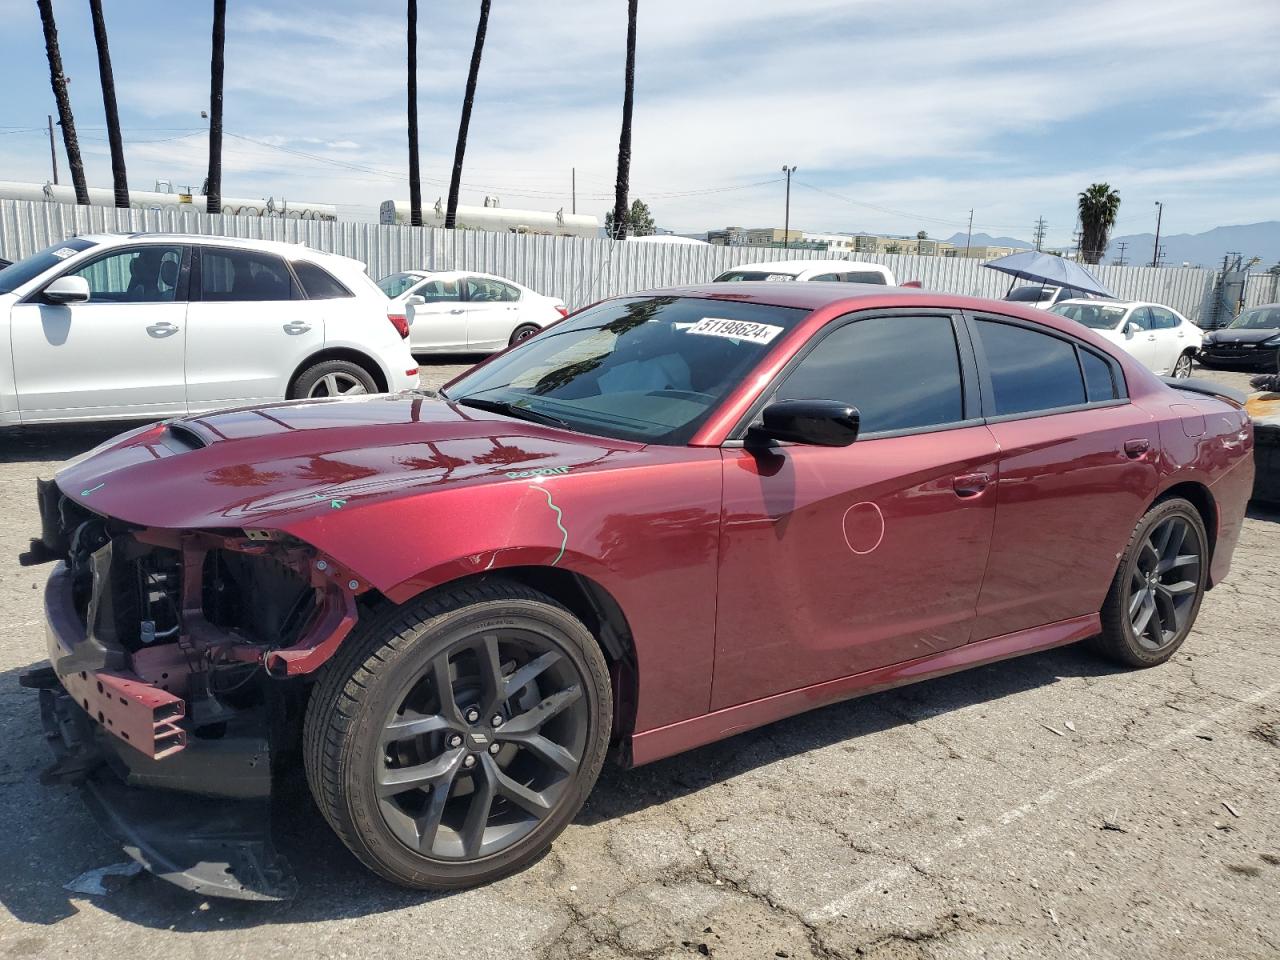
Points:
(735, 329)
(63, 252)
(780, 276)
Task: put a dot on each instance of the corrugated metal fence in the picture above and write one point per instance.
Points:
(579, 271)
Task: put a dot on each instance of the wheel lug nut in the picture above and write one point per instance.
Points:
(472, 715)
(455, 741)
(469, 761)
(496, 721)
(495, 747)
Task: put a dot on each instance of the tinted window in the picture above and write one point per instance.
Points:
(1030, 371)
(864, 276)
(483, 290)
(1032, 294)
(1263, 318)
(1140, 317)
(900, 372)
(1097, 377)
(1095, 315)
(318, 283)
(139, 275)
(1162, 319)
(650, 368)
(825, 277)
(734, 276)
(243, 275)
(16, 274)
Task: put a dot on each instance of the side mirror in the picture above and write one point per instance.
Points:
(1130, 328)
(67, 290)
(414, 301)
(823, 423)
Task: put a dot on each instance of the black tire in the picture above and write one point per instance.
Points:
(320, 380)
(1155, 578)
(360, 702)
(523, 332)
(1183, 366)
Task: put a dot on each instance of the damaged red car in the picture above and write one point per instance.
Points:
(671, 517)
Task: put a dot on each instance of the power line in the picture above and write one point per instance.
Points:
(1120, 261)
(1039, 232)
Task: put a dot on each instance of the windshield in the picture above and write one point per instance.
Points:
(1091, 314)
(15, 275)
(398, 283)
(1260, 318)
(1032, 294)
(645, 368)
(733, 276)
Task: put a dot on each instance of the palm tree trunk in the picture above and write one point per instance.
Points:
(213, 189)
(415, 174)
(58, 80)
(624, 141)
(451, 213)
(118, 177)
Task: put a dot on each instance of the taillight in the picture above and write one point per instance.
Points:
(401, 323)
(562, 310)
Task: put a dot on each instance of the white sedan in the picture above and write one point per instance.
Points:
(120, 326)
(1159, 337)
(456, 311)
(821, 271)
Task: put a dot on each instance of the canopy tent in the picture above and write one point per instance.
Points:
(1045, 268)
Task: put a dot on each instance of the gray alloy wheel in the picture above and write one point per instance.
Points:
(332, 378)
(1156, 592)
(523, 332)
(452, 739)
(1182, 368)
(338, 384)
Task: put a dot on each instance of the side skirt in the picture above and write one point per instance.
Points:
(686, 734)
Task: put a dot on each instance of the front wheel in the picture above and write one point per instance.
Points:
(1182, 369)
(454, 739)
(1156, 592)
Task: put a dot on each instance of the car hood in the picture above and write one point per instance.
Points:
(282, 465)
(1227, 335)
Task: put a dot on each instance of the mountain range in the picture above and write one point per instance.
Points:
(986, 240)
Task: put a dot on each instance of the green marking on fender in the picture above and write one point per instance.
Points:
(564, 538)
(85, 493)
(336, 503)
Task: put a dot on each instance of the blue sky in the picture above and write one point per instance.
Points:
(900, 114)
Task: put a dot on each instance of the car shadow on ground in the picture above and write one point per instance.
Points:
(1259, 510)
(333, 885)
(58, 442)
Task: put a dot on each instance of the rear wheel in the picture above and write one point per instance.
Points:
(1157, 589)
(453, 740)
(333, 378)
(523, 332)
(1182, 368)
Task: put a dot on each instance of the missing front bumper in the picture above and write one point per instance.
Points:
(213, 845)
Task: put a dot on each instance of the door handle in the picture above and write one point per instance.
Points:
(970, 484)
(162, 329)
(457, 310)
(1151, 336)
(295, 327)
(1137, 449)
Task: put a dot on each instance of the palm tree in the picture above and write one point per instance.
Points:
(1098, 207)
(624, 141)
(415, 175)
(118, 177)
(451, 212)
(213, 188)
(58, 80)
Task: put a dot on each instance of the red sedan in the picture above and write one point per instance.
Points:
(670, 518)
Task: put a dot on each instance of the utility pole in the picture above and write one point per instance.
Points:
(1155, 247)
(1039, 234)
(1120, 259)
(969, 236)
(573, 188)
(1159, 261)
(786, 221)
(53, 151)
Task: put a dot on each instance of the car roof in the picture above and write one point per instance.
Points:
(813, 296)
(452, 274)
(799, 266)
(1111, 302)
(293, 250)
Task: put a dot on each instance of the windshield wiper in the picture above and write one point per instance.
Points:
(511, 410)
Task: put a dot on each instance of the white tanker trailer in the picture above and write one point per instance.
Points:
(162, 199)
(496, 218)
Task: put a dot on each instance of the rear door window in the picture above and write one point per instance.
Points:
(1030, 371)
(318, 283)
(244, 275)
(484, 290)
(1162, 319)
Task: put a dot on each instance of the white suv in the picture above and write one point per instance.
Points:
(157, 325)
(822, 271)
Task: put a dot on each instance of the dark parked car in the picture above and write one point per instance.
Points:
(1251, 340)
(669, 518)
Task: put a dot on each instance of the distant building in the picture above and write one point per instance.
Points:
(875, 243)
(831, 242)
(773, 236)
